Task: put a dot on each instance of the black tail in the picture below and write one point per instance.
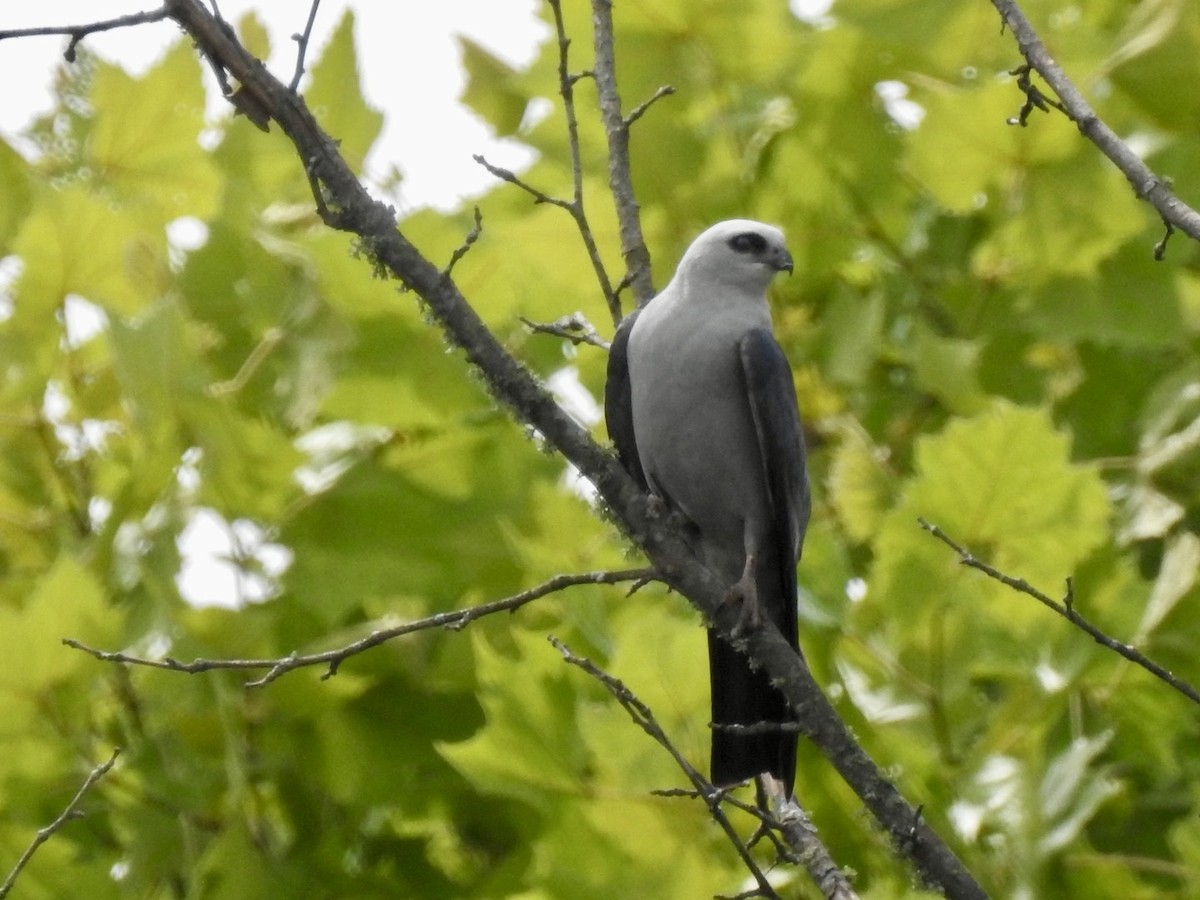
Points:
(745, 696)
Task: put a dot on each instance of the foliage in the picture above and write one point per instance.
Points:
(980, 337)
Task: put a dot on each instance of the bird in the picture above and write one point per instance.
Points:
(701, 407)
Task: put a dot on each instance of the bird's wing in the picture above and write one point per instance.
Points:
(618, 401)
(772, 398)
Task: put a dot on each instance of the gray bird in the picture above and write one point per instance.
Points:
(702, 409)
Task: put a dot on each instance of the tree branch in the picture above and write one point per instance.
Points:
(644, 718)
(1067, 610)
(70, 813)
(574, 328)
(455, 619)
(302, 45)
(1146, 185)
(79, 32)
(620, 182)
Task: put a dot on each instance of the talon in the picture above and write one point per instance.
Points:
(745, 591)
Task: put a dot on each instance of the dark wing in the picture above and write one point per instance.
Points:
(741, 693)
(772, 396)
(618, 402)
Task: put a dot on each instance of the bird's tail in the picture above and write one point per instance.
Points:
(745, 696)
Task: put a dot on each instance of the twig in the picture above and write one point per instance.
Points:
(1067, 610)
(513, 178)
(644, 718)
(616, 128)
(1146, 185)
(566, 88)
(70, 813)
(574, 328)
(1034, 98)
(302, 45)
(461, 250)
(1160, 249)
(455, 620)
(79, 32)
(640, 110)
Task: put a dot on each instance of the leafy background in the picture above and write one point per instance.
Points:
(980, 337)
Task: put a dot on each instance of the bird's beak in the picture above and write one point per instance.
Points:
(782, 261)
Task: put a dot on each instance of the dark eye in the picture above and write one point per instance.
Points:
(748, 242)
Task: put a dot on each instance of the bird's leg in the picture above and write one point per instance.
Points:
(746, 591)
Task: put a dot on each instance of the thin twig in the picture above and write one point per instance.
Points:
(574, 328)
(513, 178)
(620, 182)
(1146, 185)
(566, 88)
(78, 32)
(644, 718)
(1067, 610)
(461, 250)
(1160, 249)
(67, 815)
(640, 110)
(455, 620)
(302, 45)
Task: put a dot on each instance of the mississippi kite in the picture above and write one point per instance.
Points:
(702, 409)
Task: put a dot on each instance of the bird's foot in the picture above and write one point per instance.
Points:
(745, 591)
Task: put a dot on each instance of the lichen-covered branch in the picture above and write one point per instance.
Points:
(1146, 184)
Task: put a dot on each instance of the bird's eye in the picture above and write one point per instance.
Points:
(748, 242)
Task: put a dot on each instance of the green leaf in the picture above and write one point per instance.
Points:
(336, 99)
(493, 88)
(67, 602)
(17, 192)
(254, 35)
(1002, 484)
(145, 146)
(530, 748)
(74, 243)
(859, 486)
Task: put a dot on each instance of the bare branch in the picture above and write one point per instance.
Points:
(574, 328)
(1146, 185)
(78, 32)
(620, 182)
(513, 178)
(70, 813)
(468, 241)
(810, 851)
(791, 822)
(566, 87)
(456, 620)
(640, 110)
(1067, 610)
(644, 718)
(302, 45)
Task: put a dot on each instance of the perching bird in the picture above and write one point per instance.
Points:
(702, 409)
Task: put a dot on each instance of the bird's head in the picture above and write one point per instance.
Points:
(737, 253)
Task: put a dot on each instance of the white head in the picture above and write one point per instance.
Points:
(736, 254)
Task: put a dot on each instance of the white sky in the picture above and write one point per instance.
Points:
(408, 59)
